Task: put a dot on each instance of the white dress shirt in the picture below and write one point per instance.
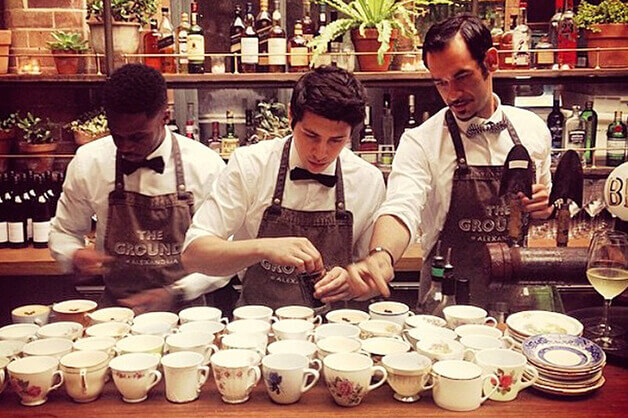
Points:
(90, 178)
(419, 186)
(245, 189)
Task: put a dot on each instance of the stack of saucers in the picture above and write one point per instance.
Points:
(568, 365)
(522, 325)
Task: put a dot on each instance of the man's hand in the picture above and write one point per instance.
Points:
(370, 277)
(334, 286)
(90, 261)
(150, 300)
(292, 251)
(538, 206)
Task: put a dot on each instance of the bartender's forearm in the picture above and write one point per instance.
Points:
(218, 257)
(392, 234)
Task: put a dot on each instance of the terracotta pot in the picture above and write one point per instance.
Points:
(5, 43)
(6, 140)
(66, 64)
(82, 138)
(126, 40)
(369, 43)
(612, 35)
(37, 164)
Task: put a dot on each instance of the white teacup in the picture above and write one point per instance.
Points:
(509, 367)
(457, 315)
(390, 311)
(293, 329)
(331, 345)
(156, 327)
(286, 376)
(378, 347)
(210, 327)
(19, 332)
(198, 342)
(348, 377)
(473, 329)
(408, 374)
(475, 343)
(419, 320)
(336, 330)
(112, 314)
(379, 328)
(306, 348)
(245, 341)
(53, 347)
(84, 373)
(112, 329)
(32, 378)
(74, 310)
(251, 326)
(11, 349)
(437, 349)
(169, 317)
(135, 375)
(458, 385)
(236, 374)
(421, 332)
(152, 344)
(259, 312)
(31, 314)
(298, 312)
(3, 373)
(184, 375)
(104, 344)
(347, 316)
(202, 313)
(64, 329)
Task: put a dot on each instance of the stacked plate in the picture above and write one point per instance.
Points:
(568, 365)
(522, 325)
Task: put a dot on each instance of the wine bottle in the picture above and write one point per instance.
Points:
(449, 287)
(235, 31)
(411, 122)
(17, 219)
(4, 212)
(41, 218)
(435, 293)
(387, 144)
(368, 142)
(555, 123)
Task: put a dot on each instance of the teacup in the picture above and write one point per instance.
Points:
(33, 314)
(379, 328)
(473, 329)
(245, 341)
(115, 330)
(421, 332)
(331, 345)
(184, 375)
(84, 373)
(259, 312)
(169, 317)
(198, 342)
(74, 310)
(3, 373)
(286, 376)
(156, 327)
(348, 377)
(298, 312)
(457, 315)
(408, 374)
(390, 311)
(210, 327)
(32, 378)
(53, 347)
(104, 344)
(336, 330)
(378, 347)
(458, 385)
(65, 329)
(437, 349)
(19, 332)
(419, 320)
(306, 348)
(236, 374)
(202, 313)
(152, 344)
(11, 349)
(135, 375)
(112, 314)
(347, 316)
(293, 329)
(251, 326)
(475, 343)
(509, 367)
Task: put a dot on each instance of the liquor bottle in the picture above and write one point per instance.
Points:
(249, 126)
(335, 45)
(27, 203)
(277, 44)
(590, 127)
(41, 217)
(172, 122)
(166, 42)
(521, 41)
(411, 123)
(309, 29)
(196, 44)
(616, 135)
(506, 44)
(324, 58)
(497, 28)
(435, 293)
(51, 194)
(386, 146)
(235, 31)
(545, 58)
(216, 141)
(299, 60)
(424, 116)
(449, 287)
(463, 292)
(250, 42)
(574, 129)
(151, 46)
(553, 32)
(16, 219)
(229, 142)
(368, 142)
(555, 123)
(190, 122)
(263, 26)
(182, 42)
(567, 36)
(4, 211)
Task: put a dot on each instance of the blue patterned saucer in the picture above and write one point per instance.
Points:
(563, 352)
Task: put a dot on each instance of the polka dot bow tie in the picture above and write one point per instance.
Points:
(491, 127)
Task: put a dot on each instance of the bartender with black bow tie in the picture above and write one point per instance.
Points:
(304, 203)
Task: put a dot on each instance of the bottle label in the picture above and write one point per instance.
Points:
(277, 48)
(299, 57)
(41, 231)
(576, 137)
(250, 50)
(196, 48)
(521, 56)
(545, 58)
(438, 271)
(557, 135)
(165, 42)
(236, 47)
(189, 131)
(616, 151)
(16, 232)
(29, 228)
(4, 232)
(183, 49)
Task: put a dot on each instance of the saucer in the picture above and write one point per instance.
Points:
(561, 352)
(528, 323)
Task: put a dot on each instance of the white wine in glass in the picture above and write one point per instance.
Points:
(608, 281)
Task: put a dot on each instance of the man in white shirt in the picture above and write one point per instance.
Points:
(143, 183)
(446, 173)
(301, 204)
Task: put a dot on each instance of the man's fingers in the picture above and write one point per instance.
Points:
(355, 279)
(339, 283)
(328, 278)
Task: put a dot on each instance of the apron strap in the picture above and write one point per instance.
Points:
(341, 207)
(454, 131)
(511, 130)
(119, 184)
(178, 168)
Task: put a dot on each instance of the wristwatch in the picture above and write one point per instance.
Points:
(177, 291)
(381, 249)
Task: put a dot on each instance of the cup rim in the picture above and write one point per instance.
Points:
(239, 354)
(105, 325)
(420, 344)
(160, 316)
(466, 343)
(200, 311)
(51, 363)
(262, 324)
(201, 324)
(130, 339)
(463, 327)
(387, 359)
(45, 329)
(102, 311)
(245, 308)
(345, 358)
(337, 325)
(453, 309)
(45, 342)
(33, 327)
(302, 343)
(187, 336)
(89, 305)
(16, 311)
(364, 324)
(335, 337)
(112, 342)
(192, 359)
(279, 311)
(418, 318)
(135, 362)
(373, 306)
(98, 357)
(279, 325)
(331, 314)
(283, 358)
(492, 352)
(459, 363)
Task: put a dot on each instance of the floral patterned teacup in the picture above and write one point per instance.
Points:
(348, 377)
(3, 373)
(236, 374)
(135, 375)
(509, 366)
(286, 376)
(32, 378)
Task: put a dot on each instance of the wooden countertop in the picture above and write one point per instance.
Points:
(610, 400)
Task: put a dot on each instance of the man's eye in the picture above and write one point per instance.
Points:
(462, 76)
(440, 83)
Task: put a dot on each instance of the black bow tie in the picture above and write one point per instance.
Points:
(491, 127)
(129, 167)
(301, 174)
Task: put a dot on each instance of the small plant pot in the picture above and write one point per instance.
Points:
(611, 35)
(67, 64)
(37, 164)
(82, 138)
(369, 43)
(6, 140)
(126, 40)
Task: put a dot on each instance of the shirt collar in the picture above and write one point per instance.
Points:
(295, 161)
(164, 149)
(497, 116)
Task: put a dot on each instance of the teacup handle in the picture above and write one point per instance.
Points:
(468, 355)
(316, 364)
(257, 375)
(374, 371)
(315, 376)
(317, 320)
(510, 343)
(38, 321)
(405, 334)
(410, 313)
(156, 374)
(535, 375)
(83, 374)
(224, 320)
(31, 338)
(1, 378)
(210, 350)
(363, 352)
(493, 378)
(493, 321)
(58, 385)
(203, 374)
(273, 319)
(425, 385)
(309, 336)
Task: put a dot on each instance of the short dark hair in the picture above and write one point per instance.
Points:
(475, 34)
(330, 92)
(135, 88)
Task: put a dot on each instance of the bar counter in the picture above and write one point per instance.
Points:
(610, 400)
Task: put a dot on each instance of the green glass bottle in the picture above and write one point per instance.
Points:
(616, 141)
(590, 128)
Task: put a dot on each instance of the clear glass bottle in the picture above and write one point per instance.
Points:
(616, 136)
(196, 44)
(574, 131)
(250, 42)
(590, 120)
(545, 58)
(190, 122)
(567, 36)
(434, 295)
(235, 33)
(521, 41)
(555, 124)
(449, 287)
(166, 42)
(386, 146)
(182, 42)
(230, 141)
(411, 122)
(368, 141)
(277, 44)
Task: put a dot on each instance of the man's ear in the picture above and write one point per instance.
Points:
(166, 116)
(491, 60)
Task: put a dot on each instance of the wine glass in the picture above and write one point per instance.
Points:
(607, 271)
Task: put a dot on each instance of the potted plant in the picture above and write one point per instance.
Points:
(89, 127)
(7, 133)
(128, 16)
(66, 48)
(271, 121)
(34, 136)
(374, 25)
(606, 26)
